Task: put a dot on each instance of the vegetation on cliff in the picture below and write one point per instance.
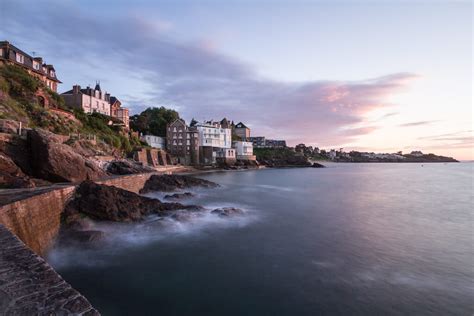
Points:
(19, 102)
(153, 121)
(280, 157)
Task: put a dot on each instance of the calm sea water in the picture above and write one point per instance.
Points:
(351, 239)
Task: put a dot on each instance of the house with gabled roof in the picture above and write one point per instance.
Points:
(10, 54)
(241, 131)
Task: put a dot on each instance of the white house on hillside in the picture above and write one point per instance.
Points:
(154, 141)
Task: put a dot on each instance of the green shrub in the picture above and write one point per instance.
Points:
(20, 81)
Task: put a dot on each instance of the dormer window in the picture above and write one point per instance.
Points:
(36, 65)
(51, 73)
(20, 58)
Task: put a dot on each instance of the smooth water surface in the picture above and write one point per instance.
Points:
(350, 239)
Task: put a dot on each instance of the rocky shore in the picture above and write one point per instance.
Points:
(94, 202)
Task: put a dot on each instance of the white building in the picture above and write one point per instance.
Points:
(244, 150)
(211, 134)
(154, 141)
(214, 140)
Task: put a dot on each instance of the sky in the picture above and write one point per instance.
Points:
(378, 76)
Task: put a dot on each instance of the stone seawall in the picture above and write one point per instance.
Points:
(35, 217)
(29, 286)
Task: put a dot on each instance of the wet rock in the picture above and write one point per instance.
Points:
(227, 211)
(318, 165)
(57, 162)
(122, 167)
(179, 196)
(102, 202)
(169, 183)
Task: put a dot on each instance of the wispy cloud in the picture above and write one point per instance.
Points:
(203, 82)
(455, 140)
(419, 123)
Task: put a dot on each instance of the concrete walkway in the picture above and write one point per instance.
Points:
(29, 286)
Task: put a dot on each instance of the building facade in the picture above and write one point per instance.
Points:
(182, 142)
(242, 131)
(213, 138)
(258, 141)
(117, 111)
(244, 150)
(88, 99)
(35, 66)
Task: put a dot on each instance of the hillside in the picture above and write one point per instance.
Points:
(20, 98)
(57, 144)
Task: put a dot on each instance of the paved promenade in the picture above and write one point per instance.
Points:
(29, 286)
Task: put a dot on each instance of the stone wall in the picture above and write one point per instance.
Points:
(29, 286)
(36, 219)
(35, 216)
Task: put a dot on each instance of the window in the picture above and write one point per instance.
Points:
(36, 65)
(20, 58)
(51, 73)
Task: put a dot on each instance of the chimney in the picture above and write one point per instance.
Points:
(75, 89)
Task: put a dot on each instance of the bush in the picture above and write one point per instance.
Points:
(19, 80)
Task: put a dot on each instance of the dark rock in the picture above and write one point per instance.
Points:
(296, 160)
(228, 211)
(121, 167)
(179, 196)
(101, 202)
(169, 183)
(318, 165)
(11, 175)
(57, 162)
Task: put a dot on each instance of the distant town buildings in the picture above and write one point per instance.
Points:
(205, 143)
(416, 153)
(262, 142)
(35, 66)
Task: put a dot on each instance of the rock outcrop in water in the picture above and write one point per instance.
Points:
(227, 211)
(96, 202)
(102, 202)
(179, 196)
(168, 183)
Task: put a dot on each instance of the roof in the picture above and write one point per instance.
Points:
(240, 125)
(113, 100)
(40, 59)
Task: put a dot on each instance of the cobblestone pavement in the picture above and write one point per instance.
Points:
(29, 286)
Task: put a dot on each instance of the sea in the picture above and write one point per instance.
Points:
(349, 239)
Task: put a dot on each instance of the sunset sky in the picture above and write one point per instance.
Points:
(368, 75)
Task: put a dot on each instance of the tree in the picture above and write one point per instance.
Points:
(153, 121)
